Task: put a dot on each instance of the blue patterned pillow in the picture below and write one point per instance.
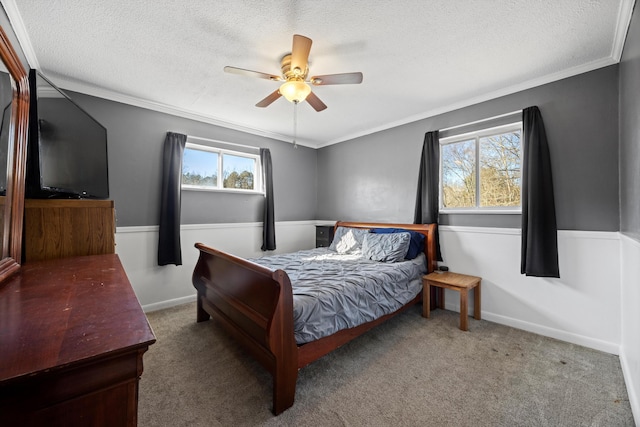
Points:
(385, 247)
(348, 240)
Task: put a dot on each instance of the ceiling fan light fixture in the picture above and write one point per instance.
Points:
(294, 68)
(295, 90)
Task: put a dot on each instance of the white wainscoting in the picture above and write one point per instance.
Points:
(161, 287)
(630, 315)
(582, 307)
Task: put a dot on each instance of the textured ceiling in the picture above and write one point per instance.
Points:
(418, 57)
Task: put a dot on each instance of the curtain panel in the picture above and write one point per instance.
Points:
(539, 256)
(269, 227)
(169, 250)
(428, 194)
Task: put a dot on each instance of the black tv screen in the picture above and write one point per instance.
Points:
(6, 96)
(67, 155)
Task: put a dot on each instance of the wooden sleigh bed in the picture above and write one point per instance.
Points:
(255, 305)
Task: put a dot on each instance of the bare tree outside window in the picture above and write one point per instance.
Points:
(482, 170)
(500, 168)
(459, 174)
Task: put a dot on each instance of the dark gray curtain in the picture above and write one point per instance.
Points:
(427, 203)
(169, 251)
(269, 227)
(539, 229)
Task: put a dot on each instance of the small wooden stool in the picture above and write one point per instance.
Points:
(458, 282)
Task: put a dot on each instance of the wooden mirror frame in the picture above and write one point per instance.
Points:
(16, 159)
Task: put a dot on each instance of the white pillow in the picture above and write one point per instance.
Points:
(348, 240)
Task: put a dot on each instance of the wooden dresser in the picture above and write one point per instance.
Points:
(72, 337)
(60, 228)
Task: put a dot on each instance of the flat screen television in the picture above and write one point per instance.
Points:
(6, 96)
(67, 152)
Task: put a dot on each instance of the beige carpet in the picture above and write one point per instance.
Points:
(409, 371)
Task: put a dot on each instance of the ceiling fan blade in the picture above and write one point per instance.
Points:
(336, 79)
(300, 52)
(243, 72)
(269, 99)
(315, 102)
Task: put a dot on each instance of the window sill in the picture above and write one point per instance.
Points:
(221, 190)
(481, 211)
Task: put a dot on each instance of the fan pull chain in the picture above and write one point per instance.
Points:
(295, 124)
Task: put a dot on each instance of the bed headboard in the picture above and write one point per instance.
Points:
(429, 231)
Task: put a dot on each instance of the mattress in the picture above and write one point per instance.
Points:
(333, 291)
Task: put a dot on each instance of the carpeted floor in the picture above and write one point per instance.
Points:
(409, 371)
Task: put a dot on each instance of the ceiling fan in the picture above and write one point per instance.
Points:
(295, 68)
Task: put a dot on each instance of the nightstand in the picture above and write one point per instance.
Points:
(324, 235)
(457, 282)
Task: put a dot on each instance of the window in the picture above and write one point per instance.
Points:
(212, 168)
(482, 170)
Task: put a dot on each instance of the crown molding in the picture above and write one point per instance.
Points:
(625, 12)
(167, 109)
(20, 30)
(27, 47)
(549, 78)
(163, 108)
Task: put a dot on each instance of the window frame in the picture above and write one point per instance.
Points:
(476, 135)
(257, 177)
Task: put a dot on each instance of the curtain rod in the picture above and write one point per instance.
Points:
(222, 142)
(480, 121)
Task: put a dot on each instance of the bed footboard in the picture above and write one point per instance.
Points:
(255, 305)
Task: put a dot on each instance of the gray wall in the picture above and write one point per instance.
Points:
(135, 140)
(374, 177)
(630, 131)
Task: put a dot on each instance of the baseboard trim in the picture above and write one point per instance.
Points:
(168, 303)
(632, 384)
(605, 346)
